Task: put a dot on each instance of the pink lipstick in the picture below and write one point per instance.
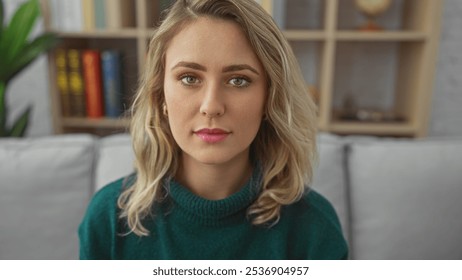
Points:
(214, 135)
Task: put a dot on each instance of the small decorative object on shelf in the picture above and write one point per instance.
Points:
(349, 108)
(350, 111)
(372, 9)
(369, 115)
(377, 115)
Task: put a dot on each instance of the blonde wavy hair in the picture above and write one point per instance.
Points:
(285, 145)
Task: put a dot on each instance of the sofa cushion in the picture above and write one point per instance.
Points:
(115, 159)
(406, 199)
(329, 176)
(45, 187)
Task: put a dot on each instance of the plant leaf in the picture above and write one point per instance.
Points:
(2, 109)
(2, 16)
(16, 33)
(20, 126)
(27, 55)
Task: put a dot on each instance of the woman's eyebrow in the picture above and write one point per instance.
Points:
(230, 68)
(239, 67)
(191, 65)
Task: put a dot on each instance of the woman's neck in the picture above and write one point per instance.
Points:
(214, 181)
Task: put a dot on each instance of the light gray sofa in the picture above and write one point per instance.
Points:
(397, 199)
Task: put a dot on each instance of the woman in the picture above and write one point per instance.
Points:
(224, 137)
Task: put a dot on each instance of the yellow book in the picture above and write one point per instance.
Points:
(76, 86)
(88, 9)
(62, 81)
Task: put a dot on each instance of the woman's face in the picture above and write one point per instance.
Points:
(215, 91)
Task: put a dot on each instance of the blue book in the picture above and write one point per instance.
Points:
(112, 83)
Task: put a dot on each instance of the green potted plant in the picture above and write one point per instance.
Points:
(16, 53)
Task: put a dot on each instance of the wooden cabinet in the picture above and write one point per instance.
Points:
(371, 83)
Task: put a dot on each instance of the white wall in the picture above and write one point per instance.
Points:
(446, 118)
(30, 88)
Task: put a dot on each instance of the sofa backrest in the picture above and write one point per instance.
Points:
(45, 185)
(115, 159)
(396, 199)
(406, 199)
(330, 177)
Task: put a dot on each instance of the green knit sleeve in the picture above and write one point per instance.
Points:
(317, 233)
(98, 230)
(330, 241)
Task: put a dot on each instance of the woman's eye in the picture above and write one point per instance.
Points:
(239, 82)
(189, 80)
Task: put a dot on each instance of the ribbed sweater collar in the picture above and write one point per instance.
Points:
(214, 212)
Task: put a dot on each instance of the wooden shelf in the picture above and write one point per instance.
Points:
(95, 123)
(303, 35)
(380, 36)
(95, 34)
(324, 47)
(372, 128)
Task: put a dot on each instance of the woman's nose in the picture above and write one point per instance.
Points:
(212, 104)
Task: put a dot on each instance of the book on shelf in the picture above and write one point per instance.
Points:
(55, 22)
(120, 13)
(71, 15)
(68, 15)
(112, 81)
(91, 60)
(88, 11)
(100, 13)
(90, 82)
(76, 87)
(85, 15)
(62, 82)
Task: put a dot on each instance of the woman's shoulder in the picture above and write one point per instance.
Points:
(103, 209)
(316, 208)
(100, 222)
(105, 199)
(317, 202)
(110, 191)
(315, 228)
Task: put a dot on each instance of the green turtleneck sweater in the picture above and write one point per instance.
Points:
(187, 226)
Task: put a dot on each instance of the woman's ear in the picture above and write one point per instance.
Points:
(164, 109)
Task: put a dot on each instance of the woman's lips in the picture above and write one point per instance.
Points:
(212, 135)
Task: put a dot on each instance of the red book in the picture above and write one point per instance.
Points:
(93, 84)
